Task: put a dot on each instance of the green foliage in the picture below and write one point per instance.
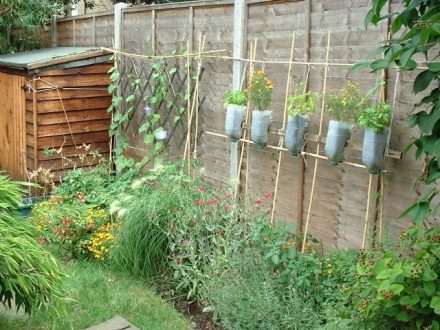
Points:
(345, 105)
(415, 32)
(20, 19)
(302, 103)
(402, 286)
(235, 97)
(30, 277)
(250, 296)
(376, 116)
(260, 90)
(99, 186)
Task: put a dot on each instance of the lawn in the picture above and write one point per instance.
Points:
(98, 294)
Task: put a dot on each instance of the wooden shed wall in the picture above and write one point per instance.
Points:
(338, 210)
(69, 117)
(12, 126)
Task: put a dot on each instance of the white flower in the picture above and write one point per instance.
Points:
(161, 135)
(148, 110)
(136, 184)
(121, 213)
(115, 206)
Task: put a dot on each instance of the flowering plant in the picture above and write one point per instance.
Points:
(260, 90)
(69, 224)
(345, 105)
(202, 236)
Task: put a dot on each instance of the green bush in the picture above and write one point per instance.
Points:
(402, 286)
(249, 295)
(98, 186)
(235, 97)
(29, 276)
(376, 116)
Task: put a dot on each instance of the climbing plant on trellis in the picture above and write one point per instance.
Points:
(150, 98)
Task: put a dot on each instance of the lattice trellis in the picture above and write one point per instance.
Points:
(145, 79)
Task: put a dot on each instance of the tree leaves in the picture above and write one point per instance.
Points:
(422, 81)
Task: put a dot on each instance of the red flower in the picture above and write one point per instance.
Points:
(227, 207)
(42, 240)
(199, 201)
(267, 195)
(228, 195)
(172, 228)
(258, 201)
(175, 209)
(185, 241)
(81, 197)
(91, 224)
(202, 188)
(55, 230)
(60, 200)
(212, 201)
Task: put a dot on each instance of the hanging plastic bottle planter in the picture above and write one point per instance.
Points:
(373, 150)
(376, 120)
(339, 132)
(260, 93)
(300, 104)
(343, 107)
(297, 127)
(235, 102)
(261, 121)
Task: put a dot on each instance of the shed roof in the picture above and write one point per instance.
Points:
(49, 57)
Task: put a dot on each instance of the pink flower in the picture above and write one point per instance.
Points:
(258, 201)
(199, 201)
(175, 209)
(185, 241)
(267, 195)
(55, 230)
(227, 207)
(202, 188)
(81, 197)
(228, 195)
(42, 240)
(212, 201)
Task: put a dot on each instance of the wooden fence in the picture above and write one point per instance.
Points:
(337, 214)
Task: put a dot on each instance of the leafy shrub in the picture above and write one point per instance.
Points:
(402, 286)
(249, 295)
(98, 185)
(376, 116)
(204, 234)
(301, 102)
(73, 226)
(235, 97)
(30, 277)
(260, 90)
(345, 105)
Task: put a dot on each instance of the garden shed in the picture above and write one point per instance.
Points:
(53, 109)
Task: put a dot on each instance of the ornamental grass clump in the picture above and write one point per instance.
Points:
(30, 277)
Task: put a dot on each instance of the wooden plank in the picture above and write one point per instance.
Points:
(66, 140)
(94, 79)
(74, 104)
(50, 94)
(72, 162)
(72, 116)
(79, 127)
(97, 68)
